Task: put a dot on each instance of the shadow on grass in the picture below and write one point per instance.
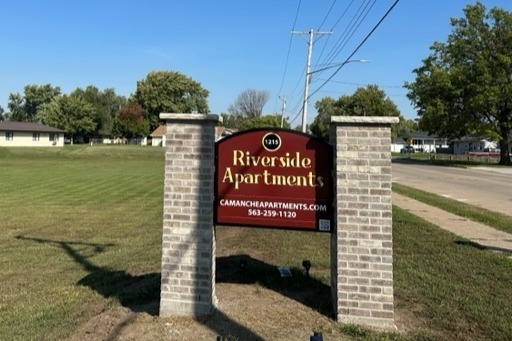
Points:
(470, 244)
(504, 250)
(142, 293)
(138, 293)
(243, 269)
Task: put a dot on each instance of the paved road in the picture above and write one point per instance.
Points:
(479, 186)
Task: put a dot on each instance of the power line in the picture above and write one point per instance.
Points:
(297, 104)
(289, 47)
(358, 47)
(327, 15)
(356, 21)
(333, 27)
(361, 84)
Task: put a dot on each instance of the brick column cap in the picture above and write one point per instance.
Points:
(364, 119)
(188, 117)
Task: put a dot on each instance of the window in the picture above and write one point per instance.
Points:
(9, 136)
(35, 136)
(52, 137)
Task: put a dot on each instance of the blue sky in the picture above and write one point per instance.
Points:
(228, 46)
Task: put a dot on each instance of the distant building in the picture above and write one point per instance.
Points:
(421, 141)
(157, 137)
(471, 144)
(30, 134)
(221, 132)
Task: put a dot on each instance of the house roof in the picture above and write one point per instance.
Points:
(420, 135)
(159, 131)
(416, 135)
(28, 127)
(220, 131)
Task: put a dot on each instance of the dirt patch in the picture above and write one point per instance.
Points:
(254, 303)
(245, 312)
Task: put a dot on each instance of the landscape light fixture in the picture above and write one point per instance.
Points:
(316, 337)
(307, 265)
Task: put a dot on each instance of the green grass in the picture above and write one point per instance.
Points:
(457, 290)
(73, 221)
(445, 286)
(413, 156)
(81, 231)
(494, 219)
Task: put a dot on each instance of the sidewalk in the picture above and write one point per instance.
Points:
(480, 234)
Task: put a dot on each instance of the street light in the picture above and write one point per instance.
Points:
(308, 80)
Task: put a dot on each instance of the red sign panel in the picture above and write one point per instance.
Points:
(274, 178)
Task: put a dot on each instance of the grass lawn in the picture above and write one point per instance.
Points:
(80, 231)
(450, 288)
(67, 214)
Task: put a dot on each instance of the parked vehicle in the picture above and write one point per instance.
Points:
(407, 149)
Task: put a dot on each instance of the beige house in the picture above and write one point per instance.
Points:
(158, 136)
(30, 134)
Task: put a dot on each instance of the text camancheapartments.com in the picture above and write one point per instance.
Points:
(277, 205)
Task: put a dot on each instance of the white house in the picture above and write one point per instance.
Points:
(421, 141)
(30, 134)
(471, 144)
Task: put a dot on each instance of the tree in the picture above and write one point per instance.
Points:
(406, 126)
(25, 108)
(2, 114)
(169, 92)
(249, 104)
(129, 122)
(230, 121)
(465, 85)
(70, 113)
(15, 106)
(266, 121)
(106, 105)
(326, 107)
(369, 101)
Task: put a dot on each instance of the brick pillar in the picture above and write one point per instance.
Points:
(188, 244)
(362, 245)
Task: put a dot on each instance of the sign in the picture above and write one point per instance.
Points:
(274, 178)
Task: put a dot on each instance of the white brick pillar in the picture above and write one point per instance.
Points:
(188, 244)
(362, 245)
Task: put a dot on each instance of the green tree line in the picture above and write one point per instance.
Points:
(91, 112)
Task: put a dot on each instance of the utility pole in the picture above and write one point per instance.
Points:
(311, 33)
(283, 99)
